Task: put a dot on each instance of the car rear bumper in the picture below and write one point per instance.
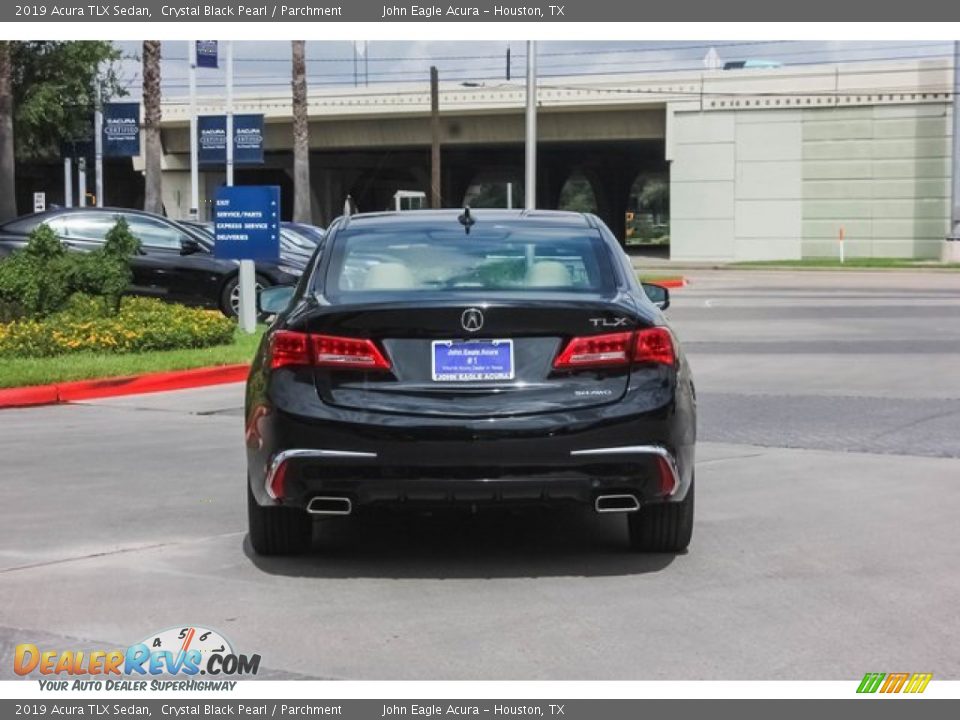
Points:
(645, 472)
(546, 460)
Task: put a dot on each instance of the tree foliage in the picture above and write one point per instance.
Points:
(577, 195)
(55, 87)
(655, 196)
(494, 194)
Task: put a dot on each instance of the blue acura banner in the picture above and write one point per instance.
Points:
(121, 129)
(247, 139)
(207, 53)
(212, 139)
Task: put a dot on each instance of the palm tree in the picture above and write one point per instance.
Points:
(153, 197)
(8, 196)
(301, 137)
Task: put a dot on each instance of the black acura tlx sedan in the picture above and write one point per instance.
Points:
(449, 358)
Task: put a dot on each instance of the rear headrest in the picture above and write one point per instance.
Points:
(389, 276)
(549, 273)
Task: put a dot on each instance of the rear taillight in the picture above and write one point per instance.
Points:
(595, 351)
(289, 348)
(330, 351)
(654, 345)
(651, 345)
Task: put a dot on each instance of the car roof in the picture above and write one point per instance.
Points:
(57, 210)
(432, 219)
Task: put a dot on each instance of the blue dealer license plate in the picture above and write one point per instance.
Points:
(472, 360)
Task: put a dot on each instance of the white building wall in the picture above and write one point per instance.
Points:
(768, 209)
(702, 151)
(781, 183)
(735, 184)
(882, 174)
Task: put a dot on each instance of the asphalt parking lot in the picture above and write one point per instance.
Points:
(826, 542)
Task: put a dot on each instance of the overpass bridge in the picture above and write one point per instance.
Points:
(761, 163)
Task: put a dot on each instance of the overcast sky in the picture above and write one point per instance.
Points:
(265, 66)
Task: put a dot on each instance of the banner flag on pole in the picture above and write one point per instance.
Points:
(207, 53)
(247, 139)
(121, 129)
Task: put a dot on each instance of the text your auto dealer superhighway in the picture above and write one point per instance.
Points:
(241, 11)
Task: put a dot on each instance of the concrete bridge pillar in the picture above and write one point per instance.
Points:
(611, 189)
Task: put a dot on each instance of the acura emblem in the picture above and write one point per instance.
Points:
(472, 319)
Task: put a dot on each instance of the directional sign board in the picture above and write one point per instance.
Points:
(247, 222)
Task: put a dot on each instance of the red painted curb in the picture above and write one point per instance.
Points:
(672, 283)
(115, 386)
(26, 396)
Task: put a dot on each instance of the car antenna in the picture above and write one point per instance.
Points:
(466, 219)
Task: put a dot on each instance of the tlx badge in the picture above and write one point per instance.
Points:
(608, 322)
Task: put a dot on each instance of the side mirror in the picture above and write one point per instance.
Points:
(275, 299)
(658, 295)
(189, 246)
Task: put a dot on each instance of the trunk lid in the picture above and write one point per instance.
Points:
(520, 338)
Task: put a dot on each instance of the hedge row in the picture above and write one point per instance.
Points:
(141, 324)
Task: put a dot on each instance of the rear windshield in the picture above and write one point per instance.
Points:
(509, 260)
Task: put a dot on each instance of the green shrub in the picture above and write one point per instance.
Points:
(10, 310)
(105, 272)
(38, 280)
(141, 324)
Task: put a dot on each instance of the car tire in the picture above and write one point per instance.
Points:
(663, 527)
(229, 297)
(277, 530)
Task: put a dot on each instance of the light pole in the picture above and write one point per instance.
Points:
(194, 141)
(82, 181)
(247, 277)
(530, 186)
(98, 145)
(68, 181)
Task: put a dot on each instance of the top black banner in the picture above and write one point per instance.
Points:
(470, 11)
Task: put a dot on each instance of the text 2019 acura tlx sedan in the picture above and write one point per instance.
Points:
(442, 358)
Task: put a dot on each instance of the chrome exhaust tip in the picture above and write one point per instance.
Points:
(326, 505)
(616, 503)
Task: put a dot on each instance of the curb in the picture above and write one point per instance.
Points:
(672, 282)
(115, 386)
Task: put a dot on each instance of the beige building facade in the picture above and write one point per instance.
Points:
(764, 164)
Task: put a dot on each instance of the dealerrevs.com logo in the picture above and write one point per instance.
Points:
(891, 683)
(185, 652)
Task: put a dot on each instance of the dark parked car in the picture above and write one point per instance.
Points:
(175, 262)
(305, 233)
(438, 358)
(298, 242)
